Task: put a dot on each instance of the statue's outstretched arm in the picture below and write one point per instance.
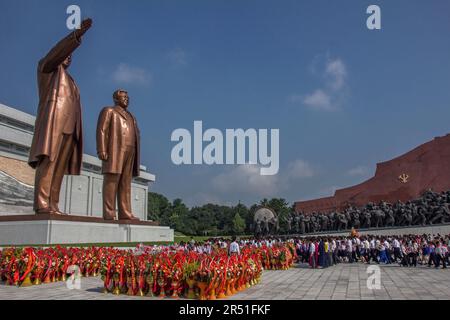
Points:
(63, 48)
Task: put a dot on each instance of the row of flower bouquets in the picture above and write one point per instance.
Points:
(165, 272)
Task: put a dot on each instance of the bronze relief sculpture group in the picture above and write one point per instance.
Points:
(57, 147)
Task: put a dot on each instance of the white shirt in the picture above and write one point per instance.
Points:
(234, 247)
(366, 244)
(349, 245)
(396, 243)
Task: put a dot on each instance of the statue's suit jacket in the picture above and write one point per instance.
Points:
(111, 129)
(59, 110)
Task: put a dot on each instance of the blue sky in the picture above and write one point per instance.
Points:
(343, 97)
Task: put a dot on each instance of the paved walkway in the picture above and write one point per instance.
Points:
(344, 281)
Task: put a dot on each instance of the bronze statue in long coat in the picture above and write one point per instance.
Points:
(118, 146)
(57, 146)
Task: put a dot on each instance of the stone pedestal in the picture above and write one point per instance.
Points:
(54, 229)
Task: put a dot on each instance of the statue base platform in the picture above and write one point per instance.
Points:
(67, 229)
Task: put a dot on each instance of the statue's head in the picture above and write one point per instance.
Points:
(67, 62)
(121, 98)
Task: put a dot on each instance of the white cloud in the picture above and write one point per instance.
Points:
(336, 72)
(126, 74)
(358, 171)
(202, 198)
(318, 100)
(332, 94)
(246, 179)
(177, 57)
(300, 169)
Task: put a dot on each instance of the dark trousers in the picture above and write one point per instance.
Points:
(305, 257)
(350, 256)
(325, 260)
(432, 259)
(373, 255)
(404, 262)
(397, 254)
(366, 254)
(440, 258)
(412, 259)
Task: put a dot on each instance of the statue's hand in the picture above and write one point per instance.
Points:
(103, 156)
(85, 26)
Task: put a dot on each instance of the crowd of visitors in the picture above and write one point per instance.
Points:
(323, 252)
(406, 250)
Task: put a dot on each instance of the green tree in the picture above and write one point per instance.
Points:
(157, 206)
(176, 216)
(246, 215)
(238, 224)
(209, 219)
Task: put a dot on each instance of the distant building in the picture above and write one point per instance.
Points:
(80, 195)
(404, 178)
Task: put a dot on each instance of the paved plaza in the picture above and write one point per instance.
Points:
(341, 282)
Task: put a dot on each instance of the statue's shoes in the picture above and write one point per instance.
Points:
(58, 212)
(55, 210)
(132, 218)
(44, 211)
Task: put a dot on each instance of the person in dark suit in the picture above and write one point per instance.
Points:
(118, 142)
(57, 146)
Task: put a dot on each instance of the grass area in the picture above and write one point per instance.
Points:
(178, 238)
(179, 234)
(188, 238)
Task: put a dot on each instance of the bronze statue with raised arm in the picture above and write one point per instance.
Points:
(118, 141)
(57, 146)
